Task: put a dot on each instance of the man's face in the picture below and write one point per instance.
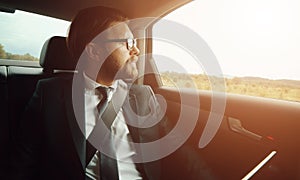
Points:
(121, 62)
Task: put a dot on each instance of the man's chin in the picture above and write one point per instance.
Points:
(128, 76)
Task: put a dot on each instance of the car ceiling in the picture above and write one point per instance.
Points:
(66, 9)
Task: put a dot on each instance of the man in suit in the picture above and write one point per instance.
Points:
(69, 131)
(53, 140)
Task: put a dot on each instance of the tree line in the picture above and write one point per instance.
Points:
(7, 55)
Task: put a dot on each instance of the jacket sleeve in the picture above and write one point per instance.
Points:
(185, 162)
(28, 140)
(150, 114)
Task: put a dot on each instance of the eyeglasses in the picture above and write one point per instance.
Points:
(130, 42)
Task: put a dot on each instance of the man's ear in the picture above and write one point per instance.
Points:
(93, 51)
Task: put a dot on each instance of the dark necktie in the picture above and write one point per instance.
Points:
(108, 165)
(102, 105)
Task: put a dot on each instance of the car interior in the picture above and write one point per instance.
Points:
(250, 129)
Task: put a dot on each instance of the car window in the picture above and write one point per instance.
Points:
(23, 34)
(256, 44)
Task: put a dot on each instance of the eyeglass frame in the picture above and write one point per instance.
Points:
(130, 42)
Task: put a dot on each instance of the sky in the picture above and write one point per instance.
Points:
(248, 37)
(23, 32)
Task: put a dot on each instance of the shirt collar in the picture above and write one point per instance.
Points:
(90, 84)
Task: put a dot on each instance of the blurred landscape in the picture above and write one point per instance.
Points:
(8, 55)
(253, 86)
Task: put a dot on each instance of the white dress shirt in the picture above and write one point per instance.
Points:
(119, 130)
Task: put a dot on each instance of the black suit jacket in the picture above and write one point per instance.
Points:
(50, 144)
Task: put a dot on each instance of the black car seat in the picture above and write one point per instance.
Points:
(21, 81)
(4, 127)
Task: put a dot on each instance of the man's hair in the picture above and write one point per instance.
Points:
(87, 24)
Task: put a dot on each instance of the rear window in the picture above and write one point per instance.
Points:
(23, 34)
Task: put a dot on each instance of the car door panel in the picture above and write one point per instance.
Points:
(231, 154)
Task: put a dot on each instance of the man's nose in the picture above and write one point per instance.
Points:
(135, 51)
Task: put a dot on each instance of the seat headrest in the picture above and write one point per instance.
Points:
(55, 55)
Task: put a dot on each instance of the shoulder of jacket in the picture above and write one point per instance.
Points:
(55, 81)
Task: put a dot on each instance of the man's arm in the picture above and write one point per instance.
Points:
(28, 140)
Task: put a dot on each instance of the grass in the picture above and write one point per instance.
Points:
(278, 89)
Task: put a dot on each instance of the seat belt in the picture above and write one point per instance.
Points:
(108, 116)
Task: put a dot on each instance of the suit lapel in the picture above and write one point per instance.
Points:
(74, 108)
